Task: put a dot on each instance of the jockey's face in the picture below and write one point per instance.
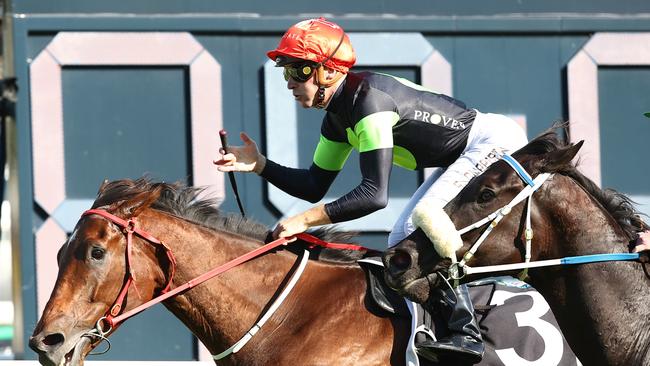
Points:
(304, 92)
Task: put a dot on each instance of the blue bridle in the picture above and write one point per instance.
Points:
(460, 269)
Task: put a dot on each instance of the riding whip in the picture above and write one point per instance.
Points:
(231, 175)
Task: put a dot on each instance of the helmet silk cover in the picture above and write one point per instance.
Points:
(315, 40)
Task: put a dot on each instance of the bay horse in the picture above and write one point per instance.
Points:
(603, 309)
(322, 322)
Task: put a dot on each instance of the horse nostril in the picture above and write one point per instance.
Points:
(400, 260)
(46, 344)
(53, 339)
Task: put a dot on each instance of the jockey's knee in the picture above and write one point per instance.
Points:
(400, 232)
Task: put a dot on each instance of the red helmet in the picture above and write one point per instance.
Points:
(317, 40)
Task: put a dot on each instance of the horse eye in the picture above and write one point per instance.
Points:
(97, 253)
(486, 195)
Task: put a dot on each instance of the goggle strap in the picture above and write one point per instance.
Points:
(335, 50)
(321, 72)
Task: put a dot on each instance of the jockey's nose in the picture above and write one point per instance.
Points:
(291, 84)
(397, 261)
(47, 343)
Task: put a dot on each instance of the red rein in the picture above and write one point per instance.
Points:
(112, 317)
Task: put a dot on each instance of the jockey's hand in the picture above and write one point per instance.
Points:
(642, 246)
(245, 158)
(290, 227)
(643, 242)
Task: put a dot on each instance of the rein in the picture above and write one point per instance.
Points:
(460, 269)
(114, 317)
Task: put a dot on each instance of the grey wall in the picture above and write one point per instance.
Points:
(336, 7)
(506, 57)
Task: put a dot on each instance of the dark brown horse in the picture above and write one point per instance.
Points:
(602, 308)
(322, 322)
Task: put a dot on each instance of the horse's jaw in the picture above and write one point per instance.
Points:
(78, 353)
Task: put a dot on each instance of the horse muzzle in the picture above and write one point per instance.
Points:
(402, 275)
(398, 264)
(54, 349)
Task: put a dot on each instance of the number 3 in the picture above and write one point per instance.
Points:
(553, 345)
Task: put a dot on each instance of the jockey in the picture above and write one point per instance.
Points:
(389, 121)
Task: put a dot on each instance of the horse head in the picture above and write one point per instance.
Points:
(570, 216)
(118, 261)
(413, 266)
(92, 270)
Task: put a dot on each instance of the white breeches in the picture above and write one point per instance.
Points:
(491, 136)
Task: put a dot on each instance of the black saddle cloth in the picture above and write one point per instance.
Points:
(516, 322)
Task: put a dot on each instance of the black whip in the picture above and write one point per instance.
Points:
(231, 175)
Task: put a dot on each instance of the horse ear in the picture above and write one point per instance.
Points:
(102, 187)
(133, 206)
(560, 158)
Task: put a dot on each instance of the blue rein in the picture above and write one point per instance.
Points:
(594, 258)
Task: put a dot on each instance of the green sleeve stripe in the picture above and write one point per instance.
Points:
(404, 158)
(375, 131)
(331, 155)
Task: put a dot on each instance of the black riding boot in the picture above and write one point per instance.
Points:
(464, 343)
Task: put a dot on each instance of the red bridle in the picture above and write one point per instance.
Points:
(112, 317)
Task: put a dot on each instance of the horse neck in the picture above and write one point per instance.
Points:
(217, 311)
(610, 298)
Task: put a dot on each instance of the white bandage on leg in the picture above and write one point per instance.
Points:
(437, 225)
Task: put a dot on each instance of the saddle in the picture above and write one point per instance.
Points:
(380, 299)
(385, 302)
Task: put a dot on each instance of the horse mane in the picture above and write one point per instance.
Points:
(617, 204)
(127, 196)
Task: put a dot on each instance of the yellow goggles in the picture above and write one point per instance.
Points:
(299, 72)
